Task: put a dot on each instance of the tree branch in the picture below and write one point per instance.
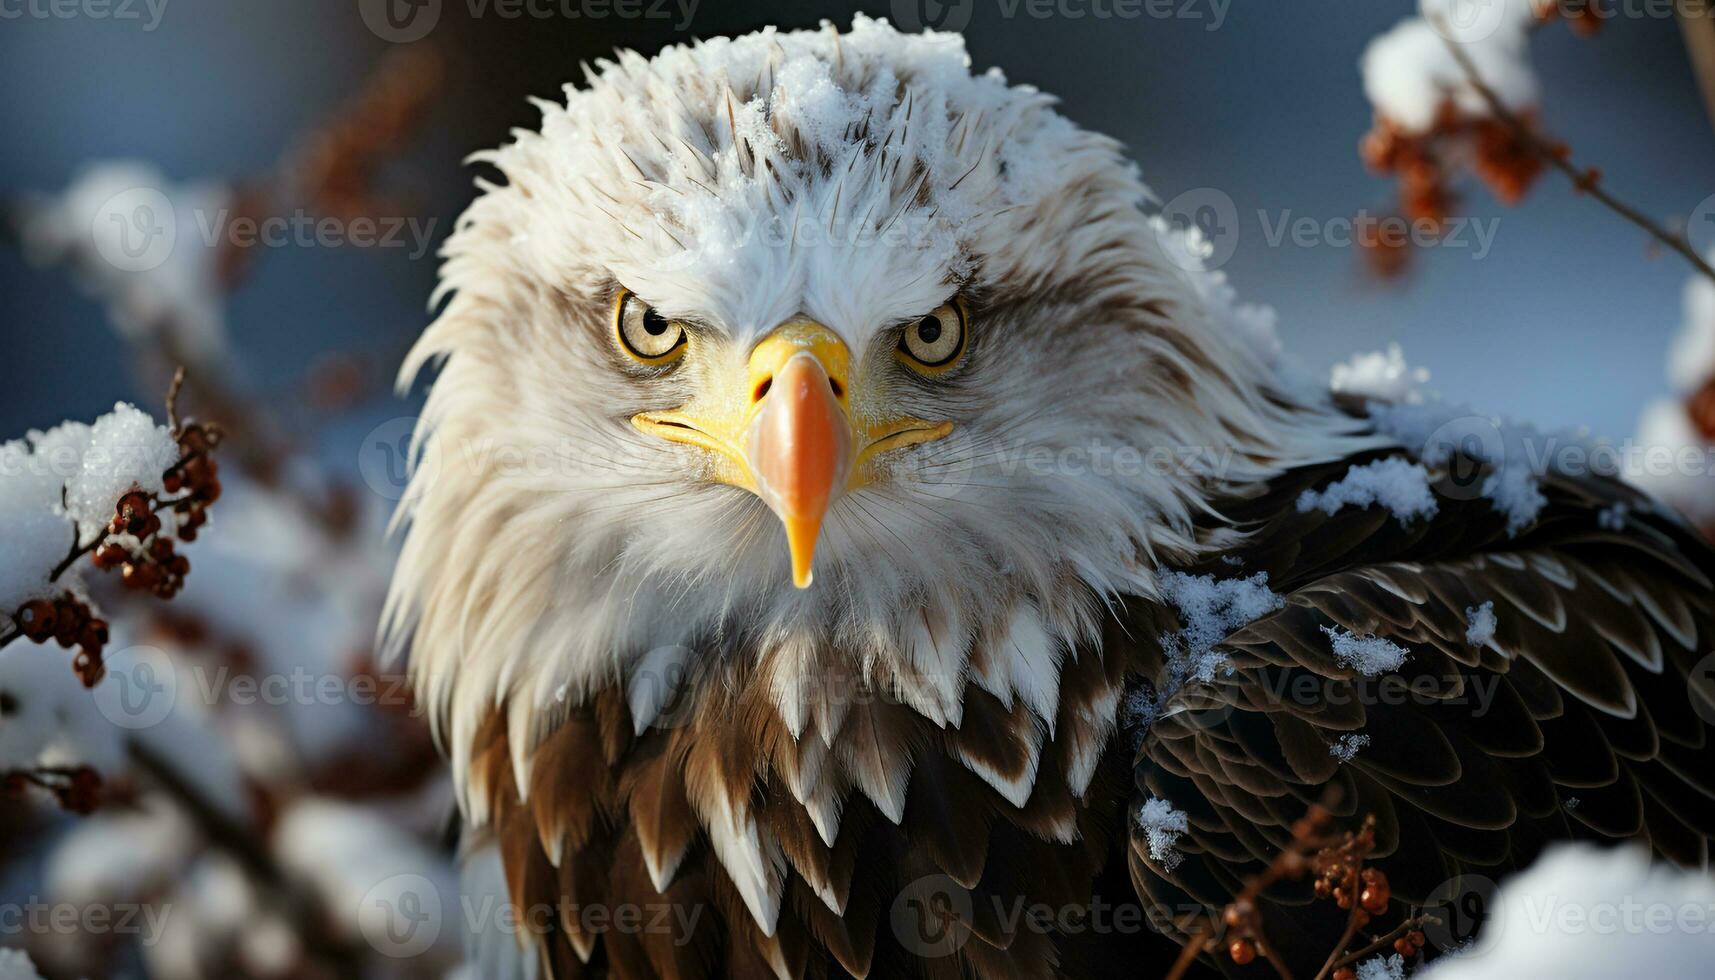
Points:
(1583, 180)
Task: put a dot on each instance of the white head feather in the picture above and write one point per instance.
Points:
(860, 179)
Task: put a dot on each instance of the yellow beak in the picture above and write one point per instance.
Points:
(791, 438)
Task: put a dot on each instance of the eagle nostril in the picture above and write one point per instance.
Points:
(838, 389)
(761, 389)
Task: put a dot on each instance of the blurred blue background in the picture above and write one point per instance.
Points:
(1565, 322)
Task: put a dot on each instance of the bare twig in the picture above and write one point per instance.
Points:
(1291, 862)
(1345, 941)
(173, 401)
(1584, 180)
(1386, 941)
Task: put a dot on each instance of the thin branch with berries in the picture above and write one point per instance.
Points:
(1337, 863)
(153, 564)
(1588, 181)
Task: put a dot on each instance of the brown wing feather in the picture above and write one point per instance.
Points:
(1575, 722)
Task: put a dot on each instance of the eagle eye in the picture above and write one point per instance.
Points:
(644, 334)
(933, 343)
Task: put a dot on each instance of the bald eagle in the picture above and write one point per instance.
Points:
(844, 515)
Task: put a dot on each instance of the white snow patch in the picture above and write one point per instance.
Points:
(1666, 431)
(1211, 609)
(54, 719)
(1162, 827)
(1614, 518)
(1348, 747)
(1409, 72)
(1691, 359)
(370, 873)
(135, 239)
(1436, 430)
(119, 856)
(1380, 376)
(15, 965)
(1480, 624)
(1584, 913)
(1382, 968)
(1396, 483)
(126, 450)
(1369, 655)
(69, 478)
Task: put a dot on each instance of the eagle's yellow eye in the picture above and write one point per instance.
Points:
(933, 344)
(644, 334)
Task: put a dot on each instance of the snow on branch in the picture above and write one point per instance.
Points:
(1454, 94)
(118, 495)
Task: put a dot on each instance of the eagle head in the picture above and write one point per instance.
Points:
(812, 342)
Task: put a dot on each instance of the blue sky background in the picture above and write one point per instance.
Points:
(1565, 322)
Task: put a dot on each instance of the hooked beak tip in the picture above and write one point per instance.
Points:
(800, 453)
(801, 535)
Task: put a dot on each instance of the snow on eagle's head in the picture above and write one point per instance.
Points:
(811, 302)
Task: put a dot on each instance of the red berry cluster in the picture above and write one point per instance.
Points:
(1336, 865)
(1506, 161)
(69, 622)
(197, 473)
(1345, 884)
(1507, 155)
(150, 562)
(155, 567)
